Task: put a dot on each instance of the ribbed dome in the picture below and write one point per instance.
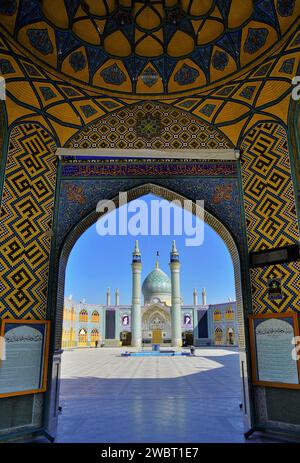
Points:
(156, 284)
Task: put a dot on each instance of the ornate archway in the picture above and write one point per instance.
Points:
(82, 224)
(156, 318)
(246, 94)
(65, 242)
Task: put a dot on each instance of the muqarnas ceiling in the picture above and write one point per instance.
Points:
(148, 46)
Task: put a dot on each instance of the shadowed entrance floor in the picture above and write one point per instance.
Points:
(106, 398)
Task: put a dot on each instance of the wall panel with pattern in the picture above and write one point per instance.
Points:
(270, 212)
(25, 219)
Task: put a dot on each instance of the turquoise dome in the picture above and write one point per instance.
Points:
(158, 284)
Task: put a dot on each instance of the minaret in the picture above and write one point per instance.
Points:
(176, 300)
(195, 294)
(136, 315)
(117, 297)
(203, 296)
(108, 296)
(156, 262)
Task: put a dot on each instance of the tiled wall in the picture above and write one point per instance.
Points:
(270, 213)
(26, 218)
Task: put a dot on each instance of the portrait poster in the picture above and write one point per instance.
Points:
(23, 356)
(125, 320)
(274, 359)
(187, 319)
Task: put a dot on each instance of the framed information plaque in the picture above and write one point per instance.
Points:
(23, 356)
(273, 353)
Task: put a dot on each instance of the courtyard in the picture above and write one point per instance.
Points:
(106, 398)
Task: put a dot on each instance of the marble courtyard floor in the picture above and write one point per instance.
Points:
(107, 398)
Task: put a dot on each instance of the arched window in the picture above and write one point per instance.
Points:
(95, 317)
(229, 314)
(217, 315)
(218, 336)
(83, 316)
(94, 336)
(82, 337)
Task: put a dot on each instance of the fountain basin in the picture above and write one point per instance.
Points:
(163, 353)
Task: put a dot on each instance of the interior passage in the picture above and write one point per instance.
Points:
(108, 398)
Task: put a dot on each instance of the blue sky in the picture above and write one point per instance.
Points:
(98, 262)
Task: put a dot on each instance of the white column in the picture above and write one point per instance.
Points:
(108, 296)
(136, 316)
(203, 296)
(175, 299)
(195, 294)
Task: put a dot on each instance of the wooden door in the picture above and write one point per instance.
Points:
(156, 336)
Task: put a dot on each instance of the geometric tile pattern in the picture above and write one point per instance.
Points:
(26, 219)
(152, 47)
(233, 107)
(2, 125)
(268, 189)
(178, 130)
(290, 283)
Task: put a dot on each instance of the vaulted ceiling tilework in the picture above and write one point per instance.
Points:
(148, 46)
(64, 108)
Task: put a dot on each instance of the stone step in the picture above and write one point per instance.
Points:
(112, 343)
